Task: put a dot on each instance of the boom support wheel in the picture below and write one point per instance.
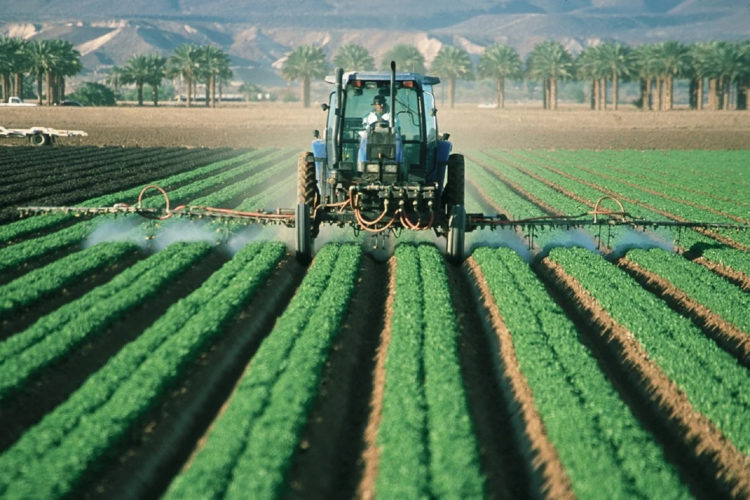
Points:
(456, 234)
(304, 238)
(454, 187)
(39, 139)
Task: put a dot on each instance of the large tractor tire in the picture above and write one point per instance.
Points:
(454, 249)
(454, 187)
(304, 239)
(307, 184)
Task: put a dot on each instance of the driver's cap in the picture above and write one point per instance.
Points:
(379, 99)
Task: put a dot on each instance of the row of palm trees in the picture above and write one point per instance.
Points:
(724, 65)
(193, 63)
(49, 61)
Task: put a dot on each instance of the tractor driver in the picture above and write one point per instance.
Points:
(379, 111)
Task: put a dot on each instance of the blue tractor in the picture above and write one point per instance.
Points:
(381, 173)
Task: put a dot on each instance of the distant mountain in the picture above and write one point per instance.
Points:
(258, 34)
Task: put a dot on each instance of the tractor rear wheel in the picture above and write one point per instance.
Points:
(307, 183)
(454, 249)
(454, 187)
(304, 239)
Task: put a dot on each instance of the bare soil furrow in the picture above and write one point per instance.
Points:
(738, 278)
(328, 463)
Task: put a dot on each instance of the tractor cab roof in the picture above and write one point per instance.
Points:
(364, 76)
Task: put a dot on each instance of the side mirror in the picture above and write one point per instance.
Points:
(433, 111)
(316, 133)
(324, 106)
(444, 137)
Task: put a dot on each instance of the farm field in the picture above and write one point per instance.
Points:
(197, 359)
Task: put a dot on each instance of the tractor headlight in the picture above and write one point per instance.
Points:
(391, 169)
(372, 168)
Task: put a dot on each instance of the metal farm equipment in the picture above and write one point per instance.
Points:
(385, 174)
(40, 136)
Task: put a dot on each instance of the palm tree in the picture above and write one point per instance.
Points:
(674, 61)
(550, 62)
(214, 63)
(407, 58)
(353, 57)
(115, 79)
(452, 63)
(618, 60)
(41, 55)
(185, 62)
(590, 66)
(500, 62)
(156, 69)
(8, 49)
(136, 71)
(305, 63)
(647, 67)
(743, 84)
(67, 63)
(702, 56)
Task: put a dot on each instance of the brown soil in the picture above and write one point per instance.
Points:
(740, 279)
(291, 125)
(723, 462)
(725, 333)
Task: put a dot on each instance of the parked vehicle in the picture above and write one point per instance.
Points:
(16, 101)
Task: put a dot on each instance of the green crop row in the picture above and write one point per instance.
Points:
(605, 451)
(533, 186)
(27, 250)
(730, 257)
(58, 333)
(515, 206)
(686, 238)
(674, 207)
(710, 178)
(713, 381)
(22, 227)
(426, 439)
(703, 286)
(251, 446)
(52, 457)
(44, 281)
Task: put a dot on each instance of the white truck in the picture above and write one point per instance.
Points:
(16, 101)
(40, 136)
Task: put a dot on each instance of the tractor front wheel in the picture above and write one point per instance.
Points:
(454, 249)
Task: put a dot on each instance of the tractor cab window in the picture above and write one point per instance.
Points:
(358, 106)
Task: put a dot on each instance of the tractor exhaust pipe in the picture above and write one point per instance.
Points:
(337, 121)
(393, 96)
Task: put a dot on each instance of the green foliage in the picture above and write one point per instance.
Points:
(407, 57)
(57, 334)
(93, 94)
(713, 381)
(51, 457)
(354, 57)
(427, 443)
(605, 451)
(251, 446)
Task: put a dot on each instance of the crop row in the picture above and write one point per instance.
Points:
(58, 333)
(626, 190)
(42, 282)
(427, 444)
(251, 446)
(714, 382)
(20, 159)
(16, 230)
(34, 248)
(76, 188)
(52, 457)
(604, 450)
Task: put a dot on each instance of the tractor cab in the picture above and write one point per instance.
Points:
(400, 145)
